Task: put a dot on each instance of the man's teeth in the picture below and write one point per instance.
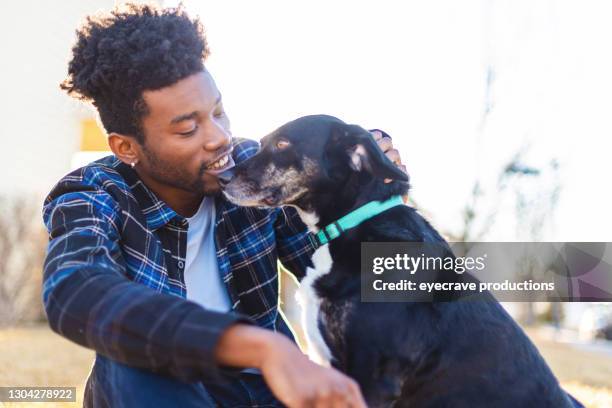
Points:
(219, 163)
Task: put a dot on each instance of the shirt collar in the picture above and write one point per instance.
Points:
(156, 211)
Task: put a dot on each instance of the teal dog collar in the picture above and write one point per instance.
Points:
(356, 217)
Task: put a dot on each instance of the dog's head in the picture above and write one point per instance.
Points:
(309, 159)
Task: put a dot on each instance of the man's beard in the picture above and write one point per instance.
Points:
(174, 176)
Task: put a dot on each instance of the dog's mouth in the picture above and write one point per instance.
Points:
(269, 187)
(245, 194)
(273, 199)
(270, 201)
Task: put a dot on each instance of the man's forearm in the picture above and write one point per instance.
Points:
(136, 325)
(242, 345)
(293, 378)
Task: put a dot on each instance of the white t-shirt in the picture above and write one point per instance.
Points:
(202, 276)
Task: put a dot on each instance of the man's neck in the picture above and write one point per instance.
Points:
(182, 202)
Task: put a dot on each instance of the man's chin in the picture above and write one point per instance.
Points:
(211, 190)
(210, 185)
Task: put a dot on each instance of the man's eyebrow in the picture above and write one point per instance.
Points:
(186, 116)
(192, 115)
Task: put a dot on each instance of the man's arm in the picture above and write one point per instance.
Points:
(88, 299)
(293, 378)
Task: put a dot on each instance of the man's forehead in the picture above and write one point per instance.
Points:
(195, 92)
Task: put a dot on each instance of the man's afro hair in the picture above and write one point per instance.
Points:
(134, 48)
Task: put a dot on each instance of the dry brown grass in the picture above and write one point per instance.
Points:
(38, 357)
(574, 365)
(584, 374)
(35, 356)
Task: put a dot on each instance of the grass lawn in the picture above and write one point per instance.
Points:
(35, 356)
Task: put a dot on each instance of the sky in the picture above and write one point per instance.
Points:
(460, 86)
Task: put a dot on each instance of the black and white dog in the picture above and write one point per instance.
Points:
(448, 353)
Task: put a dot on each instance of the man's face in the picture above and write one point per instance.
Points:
(187, 138)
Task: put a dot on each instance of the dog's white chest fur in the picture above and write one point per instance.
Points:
(310, 304)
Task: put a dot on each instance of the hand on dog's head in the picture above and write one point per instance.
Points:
(363, 152)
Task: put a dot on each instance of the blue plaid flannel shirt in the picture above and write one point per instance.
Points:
(113, 274)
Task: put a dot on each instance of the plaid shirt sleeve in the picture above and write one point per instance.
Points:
(89, 301)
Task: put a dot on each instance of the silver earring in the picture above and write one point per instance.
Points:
(133, 164)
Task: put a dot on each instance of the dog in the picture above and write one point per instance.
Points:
(442, 353)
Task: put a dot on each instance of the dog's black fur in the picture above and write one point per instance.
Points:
(418, 354)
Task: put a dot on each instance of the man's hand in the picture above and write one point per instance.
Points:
(295, 380)
(298, 382)
(386, 145)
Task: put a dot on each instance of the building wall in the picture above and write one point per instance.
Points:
(41, 128)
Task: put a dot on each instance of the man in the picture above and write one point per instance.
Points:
(175, 288)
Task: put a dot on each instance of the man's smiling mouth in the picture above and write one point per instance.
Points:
(219, 164)
(223, 163)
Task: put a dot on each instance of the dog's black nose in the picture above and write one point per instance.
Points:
(225, 177)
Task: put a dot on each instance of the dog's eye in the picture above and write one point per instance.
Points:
(282, 144)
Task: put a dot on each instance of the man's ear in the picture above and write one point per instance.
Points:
(124, 147)
(365, 155)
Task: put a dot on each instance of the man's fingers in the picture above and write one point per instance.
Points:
(343, 393)
(377, 134)
(385, 144)
(308, 402)
(340, 400)
(356, 397)
(394, 156)
(332, 397)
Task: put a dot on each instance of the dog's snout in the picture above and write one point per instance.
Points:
(225, 177)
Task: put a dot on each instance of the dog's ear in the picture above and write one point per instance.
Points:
(364, 154)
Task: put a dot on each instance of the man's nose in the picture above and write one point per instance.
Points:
(225, 177)
(219, 139)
